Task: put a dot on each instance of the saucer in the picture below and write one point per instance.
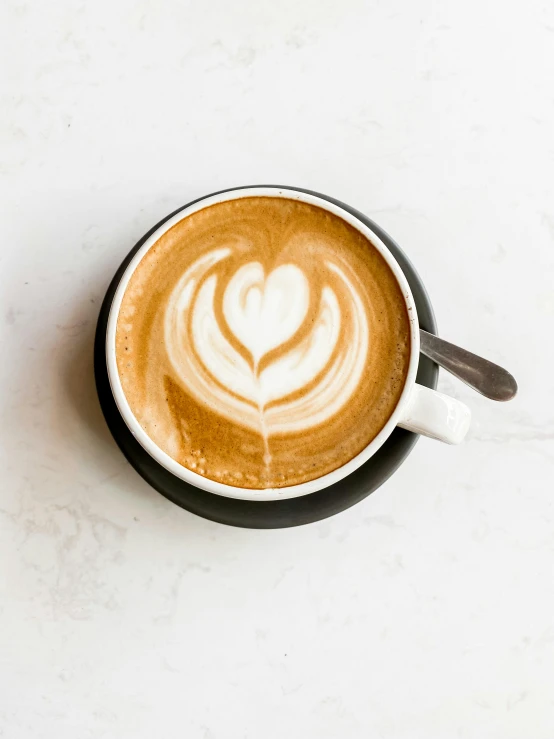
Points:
(278, 513)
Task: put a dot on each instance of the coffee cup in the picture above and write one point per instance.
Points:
(417, 408)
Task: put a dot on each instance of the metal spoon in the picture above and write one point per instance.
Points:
(487, 378)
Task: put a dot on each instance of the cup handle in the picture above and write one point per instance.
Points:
(435, 415)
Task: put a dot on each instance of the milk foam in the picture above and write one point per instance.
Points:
(264, 312)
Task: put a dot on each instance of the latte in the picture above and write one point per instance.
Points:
(262, 342)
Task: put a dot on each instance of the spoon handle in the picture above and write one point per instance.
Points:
(487, 378)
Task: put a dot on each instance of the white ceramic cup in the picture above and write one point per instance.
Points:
(419, 409)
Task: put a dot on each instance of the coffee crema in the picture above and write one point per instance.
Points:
(262, 342)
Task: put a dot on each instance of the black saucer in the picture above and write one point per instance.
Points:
(281, 513)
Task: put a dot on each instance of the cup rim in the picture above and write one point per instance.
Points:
(212, 486)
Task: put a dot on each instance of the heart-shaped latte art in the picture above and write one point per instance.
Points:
(302, 386)
(264, 312)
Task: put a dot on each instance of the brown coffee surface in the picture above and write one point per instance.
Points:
(262, 342)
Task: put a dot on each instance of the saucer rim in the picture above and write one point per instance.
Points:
(283, 513)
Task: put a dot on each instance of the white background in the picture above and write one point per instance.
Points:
(425, 611)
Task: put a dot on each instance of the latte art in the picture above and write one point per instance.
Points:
(262, 342)
(255, 384)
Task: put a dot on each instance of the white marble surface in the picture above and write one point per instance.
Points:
(427, 610)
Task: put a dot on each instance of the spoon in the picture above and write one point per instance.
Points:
(487, 378)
